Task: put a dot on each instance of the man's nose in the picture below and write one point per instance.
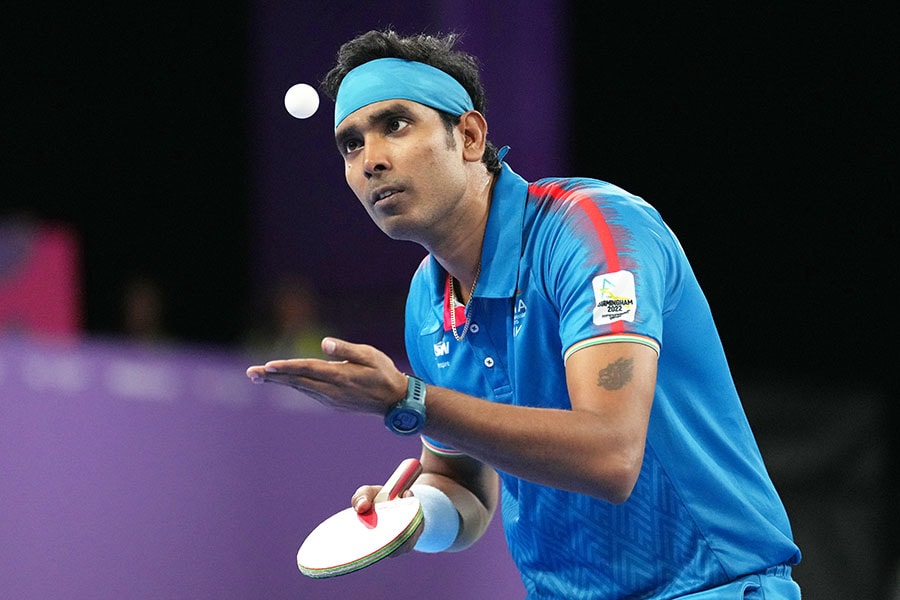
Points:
(375, 157)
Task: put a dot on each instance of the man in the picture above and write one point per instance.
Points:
(559, 338)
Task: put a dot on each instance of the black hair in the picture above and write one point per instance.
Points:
(434, 50)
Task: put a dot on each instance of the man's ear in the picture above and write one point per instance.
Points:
(474, 128)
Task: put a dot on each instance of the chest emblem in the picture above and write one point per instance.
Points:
(519, 314)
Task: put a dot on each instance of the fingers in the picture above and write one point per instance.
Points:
(364, 498)
(341, 350)
(364, 501)
(354, 376)
(285, 371)
(329, 346)
(257, 374)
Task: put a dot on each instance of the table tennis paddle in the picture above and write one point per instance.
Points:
(348, 541)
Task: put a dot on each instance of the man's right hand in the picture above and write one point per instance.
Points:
(363, 501)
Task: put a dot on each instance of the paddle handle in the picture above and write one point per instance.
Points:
(402, 479)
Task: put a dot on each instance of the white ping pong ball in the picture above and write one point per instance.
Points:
(301, 100)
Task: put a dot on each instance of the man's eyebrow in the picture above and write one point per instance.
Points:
(389, 112)
(386, 114)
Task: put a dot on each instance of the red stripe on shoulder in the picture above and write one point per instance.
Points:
(597, 220)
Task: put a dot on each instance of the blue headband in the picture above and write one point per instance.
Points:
(398, 79)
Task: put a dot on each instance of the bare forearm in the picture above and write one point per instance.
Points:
(573, 450)
(595, 448)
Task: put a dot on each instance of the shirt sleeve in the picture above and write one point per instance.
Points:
(610, 271)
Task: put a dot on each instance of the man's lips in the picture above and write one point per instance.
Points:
(383, 193)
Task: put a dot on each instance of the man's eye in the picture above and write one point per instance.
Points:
(396, 125)
(351, 145)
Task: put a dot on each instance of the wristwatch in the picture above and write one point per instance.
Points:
(408, 416)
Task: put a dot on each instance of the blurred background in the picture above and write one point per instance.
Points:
(164, 222)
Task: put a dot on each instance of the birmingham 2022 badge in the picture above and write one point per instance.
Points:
(614, 297)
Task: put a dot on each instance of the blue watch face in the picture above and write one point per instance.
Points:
(404, 419)
(408, 416)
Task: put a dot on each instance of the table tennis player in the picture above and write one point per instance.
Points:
(559, 342)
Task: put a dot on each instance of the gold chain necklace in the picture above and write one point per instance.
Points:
(453, 305)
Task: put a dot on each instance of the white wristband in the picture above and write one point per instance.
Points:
(441, 519)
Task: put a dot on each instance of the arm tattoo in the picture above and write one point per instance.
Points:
(616, 374)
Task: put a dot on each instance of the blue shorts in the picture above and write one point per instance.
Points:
(772, 584)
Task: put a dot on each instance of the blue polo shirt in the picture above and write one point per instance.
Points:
(568, 263)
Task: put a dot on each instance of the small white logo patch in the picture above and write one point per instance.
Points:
(614, 297)
(519, 316)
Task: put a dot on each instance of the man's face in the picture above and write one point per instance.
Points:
(404, 166)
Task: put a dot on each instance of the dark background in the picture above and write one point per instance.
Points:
(766, 137)
(128, 122)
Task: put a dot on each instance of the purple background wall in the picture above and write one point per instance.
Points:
(130, 472)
